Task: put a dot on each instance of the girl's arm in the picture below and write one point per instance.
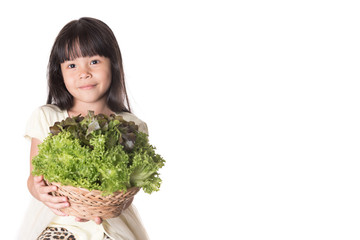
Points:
(40, 190)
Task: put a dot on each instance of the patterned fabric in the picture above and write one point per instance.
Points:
(51, 233)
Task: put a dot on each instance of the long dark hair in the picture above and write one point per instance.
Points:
(82, 38)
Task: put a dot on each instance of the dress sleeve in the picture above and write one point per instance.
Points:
(37, 125)
(143, 128)
(131, 117)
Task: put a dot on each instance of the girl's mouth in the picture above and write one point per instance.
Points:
(87, 87)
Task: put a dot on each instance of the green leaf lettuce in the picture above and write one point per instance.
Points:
(99, 152)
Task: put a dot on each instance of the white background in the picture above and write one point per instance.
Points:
(254, 105)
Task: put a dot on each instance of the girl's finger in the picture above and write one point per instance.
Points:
(38, 179)
(58, 212)
(58, 199)
(47, 189)
(57, 205)
(97, 220)
(81, 219)
(53, 199)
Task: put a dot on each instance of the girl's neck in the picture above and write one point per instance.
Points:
(83, 108)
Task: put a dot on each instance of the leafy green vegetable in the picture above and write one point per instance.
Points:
(99, 152)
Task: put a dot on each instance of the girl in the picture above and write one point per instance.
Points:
(85, 72)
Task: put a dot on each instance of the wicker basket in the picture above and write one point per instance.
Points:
(88, 205)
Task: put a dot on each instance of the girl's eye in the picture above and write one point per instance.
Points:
(71, 66)
(94, 62)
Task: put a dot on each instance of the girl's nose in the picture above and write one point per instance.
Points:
(85, 73)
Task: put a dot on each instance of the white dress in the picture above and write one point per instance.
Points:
(127, 226)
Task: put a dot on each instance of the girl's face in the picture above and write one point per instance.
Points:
(87, 78)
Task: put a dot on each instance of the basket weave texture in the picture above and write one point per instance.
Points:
(90, 204)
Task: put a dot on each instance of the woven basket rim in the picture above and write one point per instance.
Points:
(77, 189)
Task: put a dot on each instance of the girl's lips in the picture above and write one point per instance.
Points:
(86, 87)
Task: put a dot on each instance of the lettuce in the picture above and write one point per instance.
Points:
(99, 152)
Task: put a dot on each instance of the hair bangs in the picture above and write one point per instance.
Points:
(83, 44)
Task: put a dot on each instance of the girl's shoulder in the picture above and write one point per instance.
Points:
(41, 119)
(132, 117)
(52, 109)
(50, 113)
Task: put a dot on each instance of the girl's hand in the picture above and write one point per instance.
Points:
(42, 192)
(97, 220)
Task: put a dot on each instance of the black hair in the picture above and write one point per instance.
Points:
(82, 38)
